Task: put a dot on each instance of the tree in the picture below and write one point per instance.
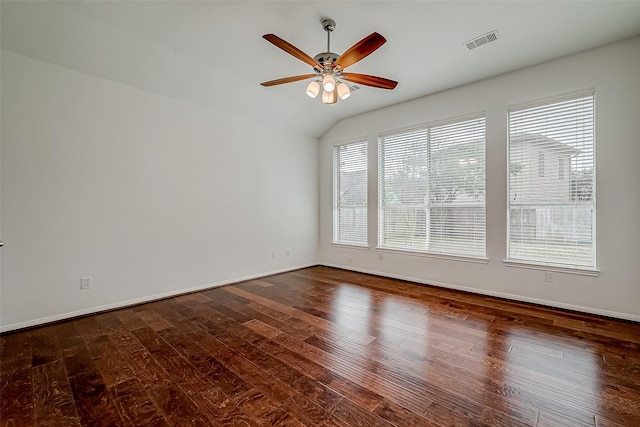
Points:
(409, 182)
(450, 172)
(432, 182)
(455, 171)
(582, 185)
(515, 168)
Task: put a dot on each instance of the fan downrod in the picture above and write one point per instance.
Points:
(327, 58)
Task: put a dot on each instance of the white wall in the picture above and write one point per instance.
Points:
(142, 192)
(614, 72)
(148, 195)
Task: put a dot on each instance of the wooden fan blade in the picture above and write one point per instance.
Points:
(366, 79)
(287, 80)
(360, 50)
(291, 49)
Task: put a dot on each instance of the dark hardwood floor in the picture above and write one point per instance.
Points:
(321, 347)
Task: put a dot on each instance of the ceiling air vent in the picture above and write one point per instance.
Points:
(484, 39)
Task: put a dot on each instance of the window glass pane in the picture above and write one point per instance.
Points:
(552, 219)
(432, 187)
(350, 198)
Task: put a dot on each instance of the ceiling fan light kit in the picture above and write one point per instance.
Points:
(313, 89)
(343, 90)
(329, 97)
(328, 67)
(328, 82)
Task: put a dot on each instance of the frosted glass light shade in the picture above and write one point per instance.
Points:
(313, 89)
(328, 83)
(343, 91)
(329, 97)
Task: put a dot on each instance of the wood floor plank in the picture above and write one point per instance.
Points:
(136, 406)
(177, 367)
(324, 347)
(54, 403)
(359, 394)
(94, 404)
(310, 413)
(400, 416)
(208, 366)
(260, 409)
(348, 413)
(17, 400)
(253, 374)
(16, 351)
(44, 346)
(178, 407)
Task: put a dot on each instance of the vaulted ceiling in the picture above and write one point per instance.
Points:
(211, 53)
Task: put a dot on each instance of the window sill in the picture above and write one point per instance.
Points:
(551, 267)
(350, 246)
(434, 255)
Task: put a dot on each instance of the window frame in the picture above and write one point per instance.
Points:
(426, 127)
(542, 265)
(541, 160)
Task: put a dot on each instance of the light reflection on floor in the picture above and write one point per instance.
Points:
(521, 366)
(553, 370)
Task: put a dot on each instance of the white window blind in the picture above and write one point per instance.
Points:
(552, 210)
(350, 193)
(432, 188)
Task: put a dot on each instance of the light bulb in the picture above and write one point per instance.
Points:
(313, 89)
(343, 90)
(328, 83)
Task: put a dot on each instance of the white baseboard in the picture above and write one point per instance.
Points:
(146, 299)
(141, 300)
(555, 304)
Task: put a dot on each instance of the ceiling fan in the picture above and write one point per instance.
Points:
(328, 67)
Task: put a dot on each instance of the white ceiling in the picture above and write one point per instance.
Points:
(211, 53)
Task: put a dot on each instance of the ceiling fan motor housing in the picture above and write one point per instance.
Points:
(326, 58)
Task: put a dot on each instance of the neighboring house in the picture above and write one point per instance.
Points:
(538, 164)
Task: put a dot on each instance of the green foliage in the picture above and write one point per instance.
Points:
(452, 171)
(409, 183)
(582, 185)
(515, 168)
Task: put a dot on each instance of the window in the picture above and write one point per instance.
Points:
(540, 163)
(552, 222)
(350, 193)
(432, 188)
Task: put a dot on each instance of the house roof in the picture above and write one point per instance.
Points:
(549, 144)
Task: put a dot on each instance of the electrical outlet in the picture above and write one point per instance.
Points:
(287, 253)
(85, 283)
(380, 256)
(548, 277)
(274, 255)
